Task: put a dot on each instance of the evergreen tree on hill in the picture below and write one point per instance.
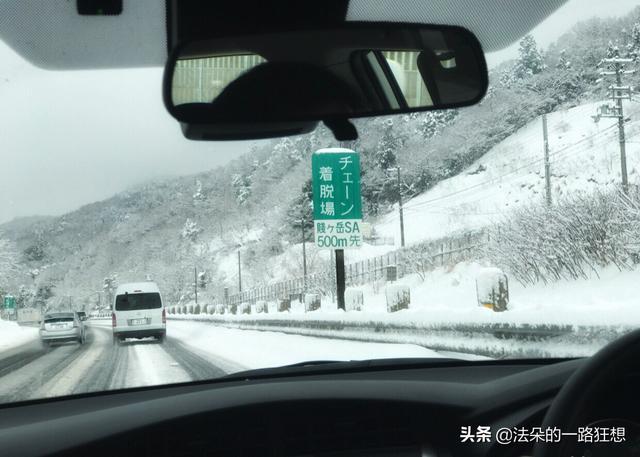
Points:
(633, 47)
(387, 148)
(530, 59)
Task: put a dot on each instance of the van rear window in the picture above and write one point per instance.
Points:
(134, 302)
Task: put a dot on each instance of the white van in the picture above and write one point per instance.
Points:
(138, 312)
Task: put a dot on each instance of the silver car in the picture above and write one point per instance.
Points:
(61, 327)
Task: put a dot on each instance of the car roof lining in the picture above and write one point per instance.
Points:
(59, 38)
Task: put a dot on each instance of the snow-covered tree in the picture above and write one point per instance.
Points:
(390, 143)
(190, 230)
(8, 260)
(301, 213)
(198, 195)
(613, 50)
(372, 184)
(633, 47)
(203, 279)
(290, 150)
(25, 296)
(530, 60)
(43, 293)
(109, 286)
(242, 187)
(433, 122)
(563, 61)
(37, 251)
(507, 78)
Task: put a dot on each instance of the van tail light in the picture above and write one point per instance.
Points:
(164, 316)
(113, 319)
(75, 324)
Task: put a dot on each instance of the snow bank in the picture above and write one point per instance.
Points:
(258, 349)
(353, 299)
(12, 335)
(449, 296)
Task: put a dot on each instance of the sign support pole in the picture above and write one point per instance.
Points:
(304, 260)
(340, 280)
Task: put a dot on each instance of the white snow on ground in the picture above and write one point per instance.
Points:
(449, 296)
(12, 334)
(256, 349)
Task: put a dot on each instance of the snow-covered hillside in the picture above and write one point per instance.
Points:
(584, 155)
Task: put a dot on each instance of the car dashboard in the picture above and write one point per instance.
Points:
(418, 411)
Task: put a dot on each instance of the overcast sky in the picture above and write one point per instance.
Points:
(71, 138)
(563, 19)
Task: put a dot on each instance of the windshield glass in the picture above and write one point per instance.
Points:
(508, 229)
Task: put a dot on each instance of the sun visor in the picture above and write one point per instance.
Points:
(52, 34)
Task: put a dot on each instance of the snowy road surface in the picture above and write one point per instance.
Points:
(31, 371)
(192, 351)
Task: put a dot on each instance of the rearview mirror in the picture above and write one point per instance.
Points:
(274, 84)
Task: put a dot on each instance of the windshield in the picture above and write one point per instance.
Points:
(505, 230)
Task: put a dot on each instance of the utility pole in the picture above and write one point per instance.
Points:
(195, 282)
(547, 165)
(397, 170)
(239, 274)
(617, 93)
(400, 208)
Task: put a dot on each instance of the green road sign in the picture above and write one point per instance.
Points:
(9, 302)
(337, 205)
